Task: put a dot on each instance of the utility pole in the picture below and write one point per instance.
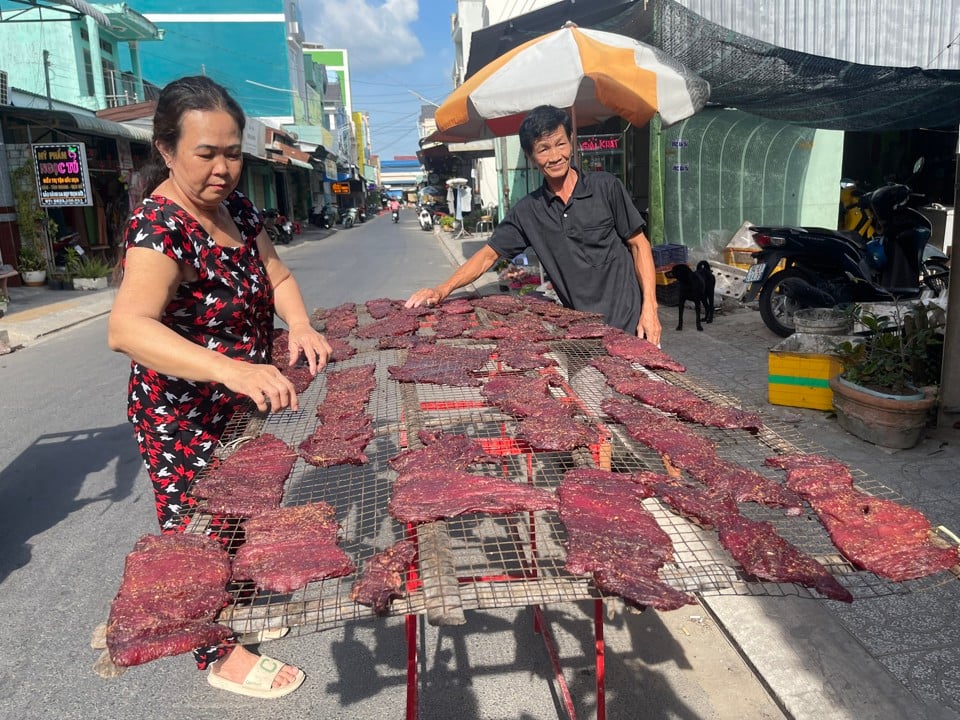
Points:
(46, 78)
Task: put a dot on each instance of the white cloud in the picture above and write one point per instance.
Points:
(376, 34)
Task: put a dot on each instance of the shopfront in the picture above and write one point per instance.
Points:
(114, 155)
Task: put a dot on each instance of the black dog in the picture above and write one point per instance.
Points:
(698, 287)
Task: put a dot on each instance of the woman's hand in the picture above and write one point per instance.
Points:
(315, 348)
(262, 383)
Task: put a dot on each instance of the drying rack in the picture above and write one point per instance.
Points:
(483, 562)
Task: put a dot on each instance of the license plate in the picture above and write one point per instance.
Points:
(755, 272)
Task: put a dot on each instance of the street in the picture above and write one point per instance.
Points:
(75, 498)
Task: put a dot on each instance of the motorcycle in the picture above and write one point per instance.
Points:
(810, 267)
(425, 219)
(278, 226)
(396, 216)
(350, 218)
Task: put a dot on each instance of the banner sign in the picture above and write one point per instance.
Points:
(341, 188)
(63, 178)
(595, 143)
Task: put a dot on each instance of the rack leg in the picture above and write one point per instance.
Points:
(601, 659)
(541, 626)
(412, 680)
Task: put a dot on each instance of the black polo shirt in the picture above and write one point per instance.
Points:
(581, 244)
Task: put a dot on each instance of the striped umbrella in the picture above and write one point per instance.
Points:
(593, 74)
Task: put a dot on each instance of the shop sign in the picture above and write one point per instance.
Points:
(63, 178)
(341, 188)
(330, 168)
(596, 143)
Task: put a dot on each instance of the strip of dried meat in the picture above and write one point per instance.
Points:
(766, 555)
(524, 355)
(397, 323)
(500, 304)
(586, 330)
(249, 480)
(380, 308)
(876, 534)
(456, 306)
(672, 399)
(523, 326)
(636, 349)
(172, 589)
(453, 326)
(438, 494)
(556, 430)
(289, 547)
(441, 451)
(404, 341)
(558, 314)
(335, 322)
(382, 577)
(441, 365)
(340, 349)
(697, 456)
(338, 443)
(613, 537)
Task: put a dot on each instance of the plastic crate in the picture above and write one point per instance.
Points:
(669, 254)
(730, 280)
(668, 295)
(799, 371)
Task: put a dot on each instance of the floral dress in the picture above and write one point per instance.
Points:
(229, 309)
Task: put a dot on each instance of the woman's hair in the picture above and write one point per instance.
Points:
(179, 97)
(540, 121)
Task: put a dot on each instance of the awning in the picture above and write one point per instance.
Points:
(84, 9)
(301, 164)
(77, 121)
(126, 24)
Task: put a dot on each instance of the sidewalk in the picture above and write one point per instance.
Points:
(884, 658)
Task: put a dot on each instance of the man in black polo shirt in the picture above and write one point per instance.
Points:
(584, 229)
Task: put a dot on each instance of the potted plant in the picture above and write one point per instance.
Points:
(447, 222)
(32, 223)
(88, 272)
(887, 387)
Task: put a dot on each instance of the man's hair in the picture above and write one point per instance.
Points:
(541, 121)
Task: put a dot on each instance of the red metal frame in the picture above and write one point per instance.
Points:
(500, 446)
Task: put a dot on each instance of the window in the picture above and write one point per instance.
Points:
(88, 72)
(106, 47)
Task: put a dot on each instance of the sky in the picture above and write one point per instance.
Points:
(398, 49)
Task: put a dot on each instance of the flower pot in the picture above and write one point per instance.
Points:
(822, 321)
(34, 278)
(893, 421)
(99, 283)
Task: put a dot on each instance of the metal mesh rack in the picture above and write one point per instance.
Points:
(480, 561)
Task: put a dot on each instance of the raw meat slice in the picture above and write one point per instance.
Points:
(638, 350)
(520, 327)
(398, 323)
(457, 306)
(290, 547)
(249, 480)
(766, 555)
(672, 399)
(453, 326)
(524, 355)
(441, 365)
(876, 534)
(558, 314)
(500, 304)
(340, 349)
(437, 494)
(693, 453)
(336, 322)
(441, 451)
(382, 577)
(404, 341)
(613, 537)
(172, 588)
(380, 308)
(556, 431)
(299, 375)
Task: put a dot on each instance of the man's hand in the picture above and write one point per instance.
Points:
(649, 325)
(424, 296)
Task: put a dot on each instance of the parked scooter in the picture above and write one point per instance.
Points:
(827, 268)
(350, 218)
(278, 226)
(425, 218)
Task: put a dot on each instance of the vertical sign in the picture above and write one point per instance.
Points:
(63, 178)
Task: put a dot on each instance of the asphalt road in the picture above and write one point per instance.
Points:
(74, 498)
